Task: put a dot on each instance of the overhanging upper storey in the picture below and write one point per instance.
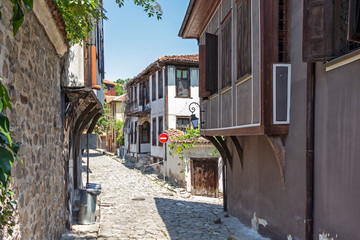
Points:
(244, 66)
(197, 16)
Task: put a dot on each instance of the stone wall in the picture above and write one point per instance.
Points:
(31, 69)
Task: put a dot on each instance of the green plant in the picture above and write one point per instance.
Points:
(119, 89)
(119, 129)
(103, 123)
(79, 15)
(8, 152)
(177, 148)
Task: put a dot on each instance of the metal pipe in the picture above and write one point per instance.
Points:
(87, 167)
(310, 122)
(93, 68)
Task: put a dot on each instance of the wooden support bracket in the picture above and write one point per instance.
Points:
(239, 149)
(219, 147)
(226, 150)
(279, 150)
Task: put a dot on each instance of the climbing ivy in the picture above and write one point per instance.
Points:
(8, 152)
(79, 15)
(178, 148)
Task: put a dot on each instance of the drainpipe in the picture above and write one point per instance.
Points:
(93, 62)
(310, 110)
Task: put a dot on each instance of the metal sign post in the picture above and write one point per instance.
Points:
(163, 138)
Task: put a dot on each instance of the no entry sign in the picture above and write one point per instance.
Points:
(163, 138)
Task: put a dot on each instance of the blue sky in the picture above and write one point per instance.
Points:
(133, 40)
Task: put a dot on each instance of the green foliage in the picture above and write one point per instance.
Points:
(119, 89)
(103, 123)
(178, 148)
(8, 151)
(80, 16)
(119, 129)
(18, 14)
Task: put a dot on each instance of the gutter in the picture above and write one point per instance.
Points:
(186, 18)
(310, 133)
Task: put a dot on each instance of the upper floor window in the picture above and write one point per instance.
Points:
(182, 123)
(243, 35)
(153, 87)
(154, 135)
(182, 83)
(342, 45)
(226, 52)
(160, 129)
(160, 84)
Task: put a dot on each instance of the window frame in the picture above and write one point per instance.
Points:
(176, 82)
(153, 88)
(147, 134)
(183, 118)
(160, 86)
(160, 127)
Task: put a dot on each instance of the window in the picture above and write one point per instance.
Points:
(182, 83)
(342, 45)
(182, 123)
(153, 85)
(160, 84)
(135, 133)
(354, 21)
(160, 129)
(243, 38)
(154, 135)
(131, 134)
(145, 133)
(226, 52)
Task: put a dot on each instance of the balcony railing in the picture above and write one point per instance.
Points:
(134, 107)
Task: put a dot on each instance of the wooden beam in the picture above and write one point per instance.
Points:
(239, 149)
(226, 149)
(279, 150)
(218, 147)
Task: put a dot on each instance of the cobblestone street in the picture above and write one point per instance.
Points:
(134, 205)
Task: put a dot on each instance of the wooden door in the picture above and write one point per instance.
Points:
(204, 177)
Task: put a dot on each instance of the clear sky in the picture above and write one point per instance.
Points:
(133, 40)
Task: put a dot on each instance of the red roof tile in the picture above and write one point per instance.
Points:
(174, 134)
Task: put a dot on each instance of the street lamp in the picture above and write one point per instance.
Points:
(194, 120)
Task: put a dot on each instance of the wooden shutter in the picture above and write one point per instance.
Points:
(318, 36)
(354, 21)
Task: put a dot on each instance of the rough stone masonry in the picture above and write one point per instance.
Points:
(31, 69)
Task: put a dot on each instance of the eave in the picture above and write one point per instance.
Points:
(197, 16)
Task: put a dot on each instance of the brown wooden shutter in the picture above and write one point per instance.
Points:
(211, 63)
(354, 21)
(318, 36)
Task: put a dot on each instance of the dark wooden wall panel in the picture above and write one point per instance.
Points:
(243, 92)
(214, 123)
(226, 113)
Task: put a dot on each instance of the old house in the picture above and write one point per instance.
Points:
(109, 140)
(279, 81)
(55, 92)
(83, 99)
(198, 168)
(31, 66)
(158, 100)
(110, 87)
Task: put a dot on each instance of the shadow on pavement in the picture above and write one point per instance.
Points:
(191, 220)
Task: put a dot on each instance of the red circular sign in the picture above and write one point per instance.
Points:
(163, 138)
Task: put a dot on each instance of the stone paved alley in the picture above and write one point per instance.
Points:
(134, 205)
